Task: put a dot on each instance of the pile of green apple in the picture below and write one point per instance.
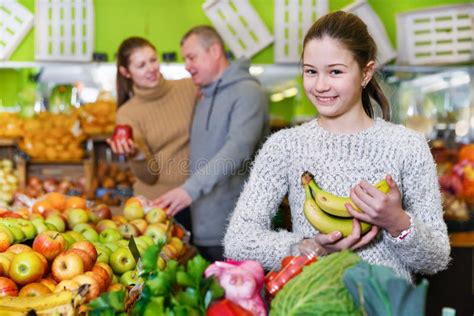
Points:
(110, 236)
(15, 231)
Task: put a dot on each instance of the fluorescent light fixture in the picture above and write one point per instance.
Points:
(290, 92)
(277, 97)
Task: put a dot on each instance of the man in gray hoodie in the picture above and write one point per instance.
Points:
(229, 123)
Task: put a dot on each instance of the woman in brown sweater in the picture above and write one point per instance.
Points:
(159, 112)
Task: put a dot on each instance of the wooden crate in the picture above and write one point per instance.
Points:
(53, 169)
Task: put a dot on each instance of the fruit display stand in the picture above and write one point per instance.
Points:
(56, 229)
(70, 169)
(8, 147)
(8, 142)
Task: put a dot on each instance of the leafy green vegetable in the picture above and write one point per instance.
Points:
(109, 303)
(196, 268)
(155, 306)
(176, 290)
(149, 262)
(319, 289)
(380, 291)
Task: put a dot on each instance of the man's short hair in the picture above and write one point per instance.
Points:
(207, 36)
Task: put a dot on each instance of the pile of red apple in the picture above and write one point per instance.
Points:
(48, 267)
(64, 244)
(37, 187)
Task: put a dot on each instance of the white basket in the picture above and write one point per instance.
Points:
(64, 30)
(15, 22)
(439, 35)
(239, 25)
(292, 19)
(363, 10)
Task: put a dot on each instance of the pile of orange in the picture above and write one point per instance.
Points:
(58, 201)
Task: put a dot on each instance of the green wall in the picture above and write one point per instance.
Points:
(164, 22)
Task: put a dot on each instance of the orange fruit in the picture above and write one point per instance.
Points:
(57, 200)
(75, 202)
(24, 212)
(133, 200)
(41, 206)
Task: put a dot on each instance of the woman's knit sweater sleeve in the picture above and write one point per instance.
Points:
(257, 204)
(426, 249)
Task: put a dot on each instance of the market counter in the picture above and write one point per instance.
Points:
(462, 239)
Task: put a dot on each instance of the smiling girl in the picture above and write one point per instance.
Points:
(348, 148)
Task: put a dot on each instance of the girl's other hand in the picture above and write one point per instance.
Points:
(333, 242)
(380, 209)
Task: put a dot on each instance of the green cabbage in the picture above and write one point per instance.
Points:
(319, 289)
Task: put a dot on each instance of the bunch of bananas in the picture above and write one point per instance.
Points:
(327, 212)
(60, 303)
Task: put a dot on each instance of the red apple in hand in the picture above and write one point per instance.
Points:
(49, 244)
(122, 133)
(8, 287)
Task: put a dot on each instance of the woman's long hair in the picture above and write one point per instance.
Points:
(126, 49)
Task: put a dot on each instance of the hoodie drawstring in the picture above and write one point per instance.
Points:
(212, 104)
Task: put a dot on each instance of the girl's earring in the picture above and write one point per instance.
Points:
(364, 84)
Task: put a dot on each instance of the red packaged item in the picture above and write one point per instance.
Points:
(226, 307)
(290, 267)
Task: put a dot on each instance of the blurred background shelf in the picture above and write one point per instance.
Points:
(5, 142)
(57, 169)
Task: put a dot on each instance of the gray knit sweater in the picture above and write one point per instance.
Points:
(339, 161)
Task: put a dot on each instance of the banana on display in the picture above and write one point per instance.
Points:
(61, 303)
(327, 212)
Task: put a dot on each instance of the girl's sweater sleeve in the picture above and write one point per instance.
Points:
(426, 249)
(249, 235)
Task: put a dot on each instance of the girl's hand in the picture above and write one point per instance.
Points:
(380, 209)
(128, 148)
(323, 244)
